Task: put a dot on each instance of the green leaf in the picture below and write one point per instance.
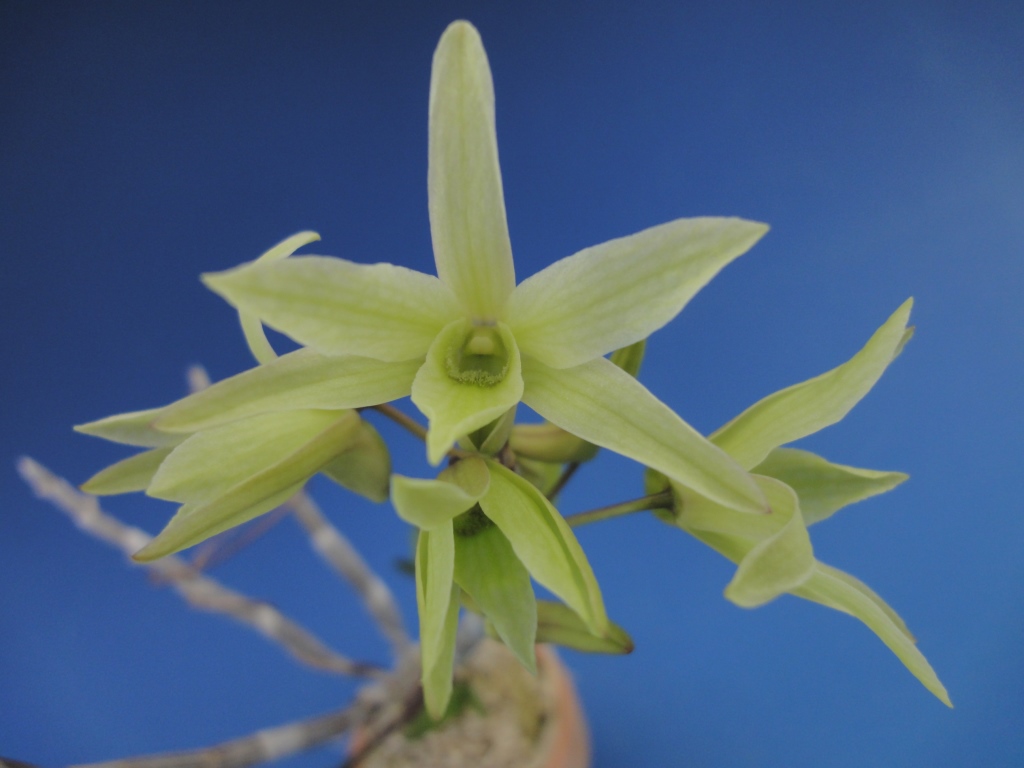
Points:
(467, 206)
(259, 462)
(300, 380)
(824, 487)
(338, 307)
(252, 326)
(437, 600)
(428, 504)
(781, 562)
(617, 293)
(128, 475)
(135, 428)
(488, 570)
(805, 408)
(365, 468)
(558, 623)
(835, 589)
(544, 543)
(606, 406)
(456, 408)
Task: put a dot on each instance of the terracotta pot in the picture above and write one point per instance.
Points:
(522, 721)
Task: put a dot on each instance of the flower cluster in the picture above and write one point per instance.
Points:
(468, 346)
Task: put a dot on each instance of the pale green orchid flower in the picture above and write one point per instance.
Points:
(470, 344)
(773, 552)
(258, 462)
(484, 530)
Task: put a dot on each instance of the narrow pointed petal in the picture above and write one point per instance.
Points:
(456, 408)
(128, 475)
(487, 569)
(778, 564)
(252, 326)
(467, 206)
(805, 408)
(135, 428)
(338, 307)
(437, 600)
(365, 468)
(243, 449)
(300, 380)
(824, 487)
(617, 293)
(854, 583)
(260, 477)
(829, 587)
(606, 406)
(545, 544)
(428, 504)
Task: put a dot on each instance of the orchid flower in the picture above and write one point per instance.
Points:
(470, 344)
(269, 455)
(483, 532)
(773, 552)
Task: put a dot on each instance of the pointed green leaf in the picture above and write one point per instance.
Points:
(437, 677)
(128, 475)
(805, 408)
(297, 381)
(824, 487)
(456, 408)
(338, 307)
(558, 623)
(268, 459)
(544, 543)
(778, 564)
(467, 206)
(488, 570)
(365, 468)
(428, 504)
(606, 406)
(617, 293)
(135, 428)
(829, 587)
(252, 326)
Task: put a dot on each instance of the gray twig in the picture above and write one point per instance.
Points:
(198, 590)
(333, 547)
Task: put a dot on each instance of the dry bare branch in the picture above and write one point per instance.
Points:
(198, 590)
(333, 547)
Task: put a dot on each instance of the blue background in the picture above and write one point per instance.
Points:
(144, 143)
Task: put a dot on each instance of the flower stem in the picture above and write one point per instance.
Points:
(563, 480)
(402, 420)
(644, 503)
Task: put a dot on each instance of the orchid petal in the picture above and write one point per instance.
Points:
(253, 445)
(617, 293)
(456, 408)
(128, 475)
(805, 408)
(437, 599)
(338, 307)
(271, 462)
(486, 567)
(604, 405)
(135, 428)
(559, 624)
(252, 326)
(467, 206)
(833, 588)
(299, 380)
(544, 543)
(781, 562)
(428, 504)
(824, 487)
(365, 468)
